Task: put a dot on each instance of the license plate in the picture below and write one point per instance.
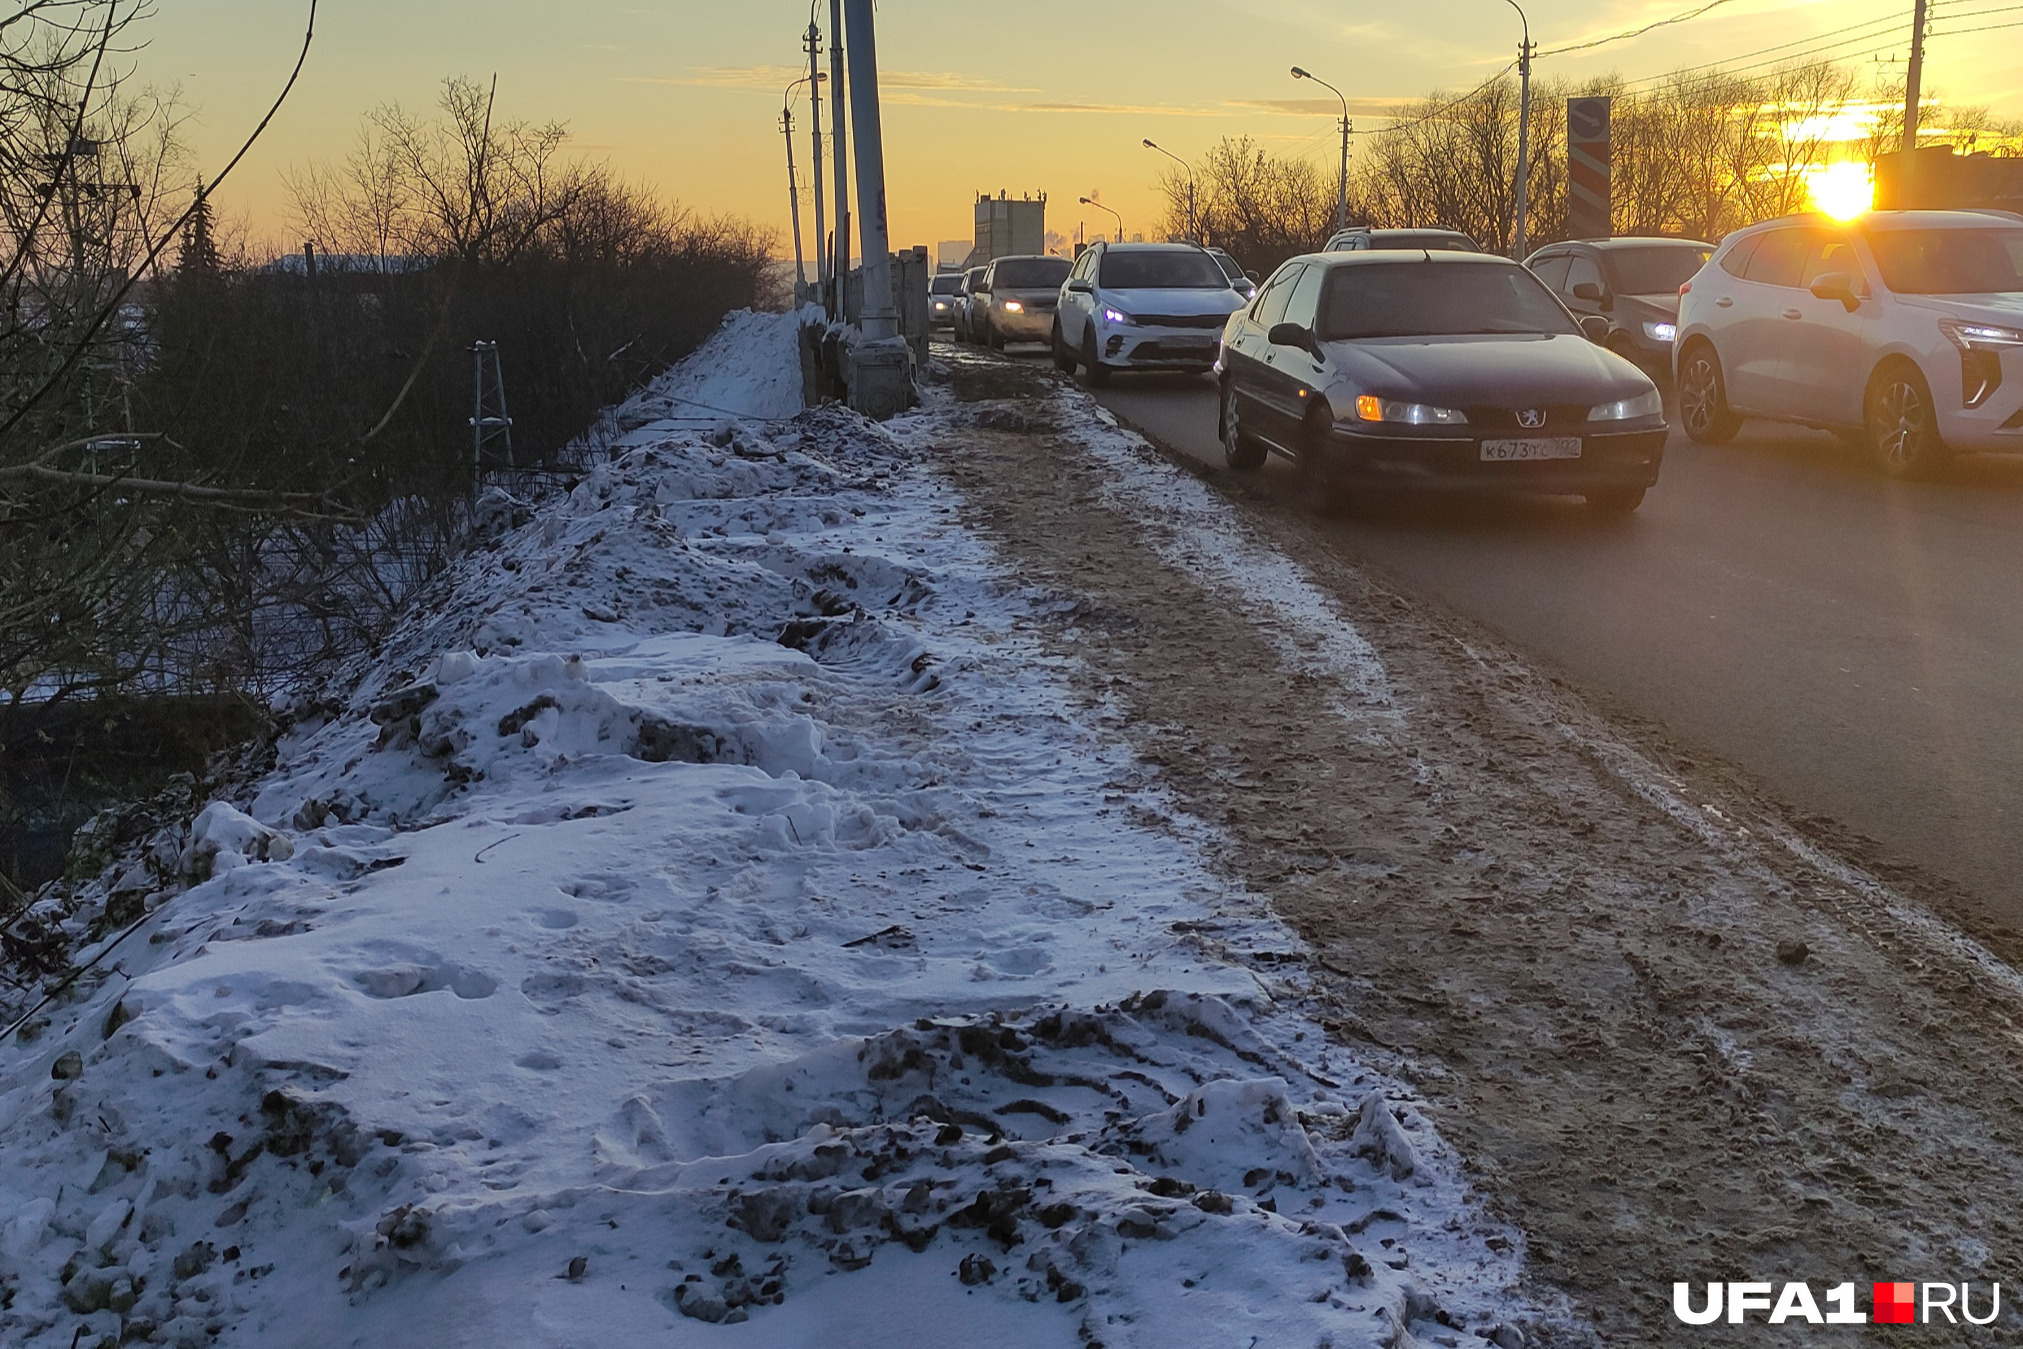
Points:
(1548, 447)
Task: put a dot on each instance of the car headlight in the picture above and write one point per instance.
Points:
(1981, 346)
(1112, 315)
(1014, 307)
(1370, 408)
(941, 304)
(1662, 332)
(1650, 404)
(1968, 335)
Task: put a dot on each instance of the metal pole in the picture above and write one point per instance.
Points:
(839, 135)
(1342, 194)
(1914, 77)
(1193, 230)
(1523, 131)
(793, 190)
(815, 125)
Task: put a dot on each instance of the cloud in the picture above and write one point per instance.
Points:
(1319, 107)
(771, 77)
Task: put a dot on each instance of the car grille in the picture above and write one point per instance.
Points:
(1559, 417)
(1183, 320)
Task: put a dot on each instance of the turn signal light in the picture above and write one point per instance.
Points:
(1369, 407)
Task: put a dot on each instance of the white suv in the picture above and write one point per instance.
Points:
(1902, 331)
(1142, 307)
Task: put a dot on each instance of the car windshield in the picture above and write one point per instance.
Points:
(1030, 273)
(946, 285)
(1432, 300)
(1163, 270)
(1949, 262)
(1655, 271)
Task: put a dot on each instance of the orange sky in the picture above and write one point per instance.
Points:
(1039, 95)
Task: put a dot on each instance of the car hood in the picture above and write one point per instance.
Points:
(1493, 369)
(1172, 300)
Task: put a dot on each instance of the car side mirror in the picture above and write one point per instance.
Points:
(1836, 286)
(1080, 286)
(982, 288)
(1251, 274)
(1290, 335)
(1593, 326)
(1588, 290)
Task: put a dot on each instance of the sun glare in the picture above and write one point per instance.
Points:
(1842, 190)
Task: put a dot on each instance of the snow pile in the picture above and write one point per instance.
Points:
(714, 910)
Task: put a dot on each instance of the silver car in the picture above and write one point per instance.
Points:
(1142, 307)
(942, 290)
(1901, 330)
(1016, 301)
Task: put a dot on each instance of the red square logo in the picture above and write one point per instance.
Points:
(1896, 1304)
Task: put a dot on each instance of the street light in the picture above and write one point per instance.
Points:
(1091, 201)
(793, 183)
(1193, 232)
(1341, 199)
(1523, 128)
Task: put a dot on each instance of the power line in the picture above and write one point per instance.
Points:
(1635, 32)
(1876, 31)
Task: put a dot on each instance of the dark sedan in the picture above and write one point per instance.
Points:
(1440, 370)
(1632, 283)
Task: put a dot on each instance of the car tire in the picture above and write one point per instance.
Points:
(1094, 373)
(1064, 360)
(1243, 453)
(1903, 425)
(1615, 500)
(1703, 398)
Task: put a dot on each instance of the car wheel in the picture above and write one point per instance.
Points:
(1903, 429)
(1093, 371)
(1064, 360)
(1615, 500)
(1242, 452)
(1703, 398)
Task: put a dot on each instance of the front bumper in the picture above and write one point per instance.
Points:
(1030, 325)
(1144, 347)
(1454, 463)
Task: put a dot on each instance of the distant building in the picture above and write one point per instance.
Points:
(1005, 227)
(951, 254)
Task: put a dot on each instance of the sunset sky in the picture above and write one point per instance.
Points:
(1031, 96)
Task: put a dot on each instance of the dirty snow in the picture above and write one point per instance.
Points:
(712, 909)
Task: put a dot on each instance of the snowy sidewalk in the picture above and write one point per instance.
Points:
(712, 918)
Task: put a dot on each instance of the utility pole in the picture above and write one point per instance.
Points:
(814, 40)
(881, 363)
(1914, 77)
(839, 128)
(1524, 51)
(793, 188)
(1342, 196)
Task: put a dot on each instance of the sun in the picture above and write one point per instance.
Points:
(1842, 190)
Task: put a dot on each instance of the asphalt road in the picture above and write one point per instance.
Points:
(1854, 644)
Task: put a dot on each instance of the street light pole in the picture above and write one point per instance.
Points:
(1523, 130)
(794, 185)
(1193, 230)
(1342, 197)
(1091, 201)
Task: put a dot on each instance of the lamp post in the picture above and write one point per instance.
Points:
(793, 183)
(1342, 197)
(1091, 201)
(1193, 230)
(1523, 129)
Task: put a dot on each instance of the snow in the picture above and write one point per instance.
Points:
(713, 907)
